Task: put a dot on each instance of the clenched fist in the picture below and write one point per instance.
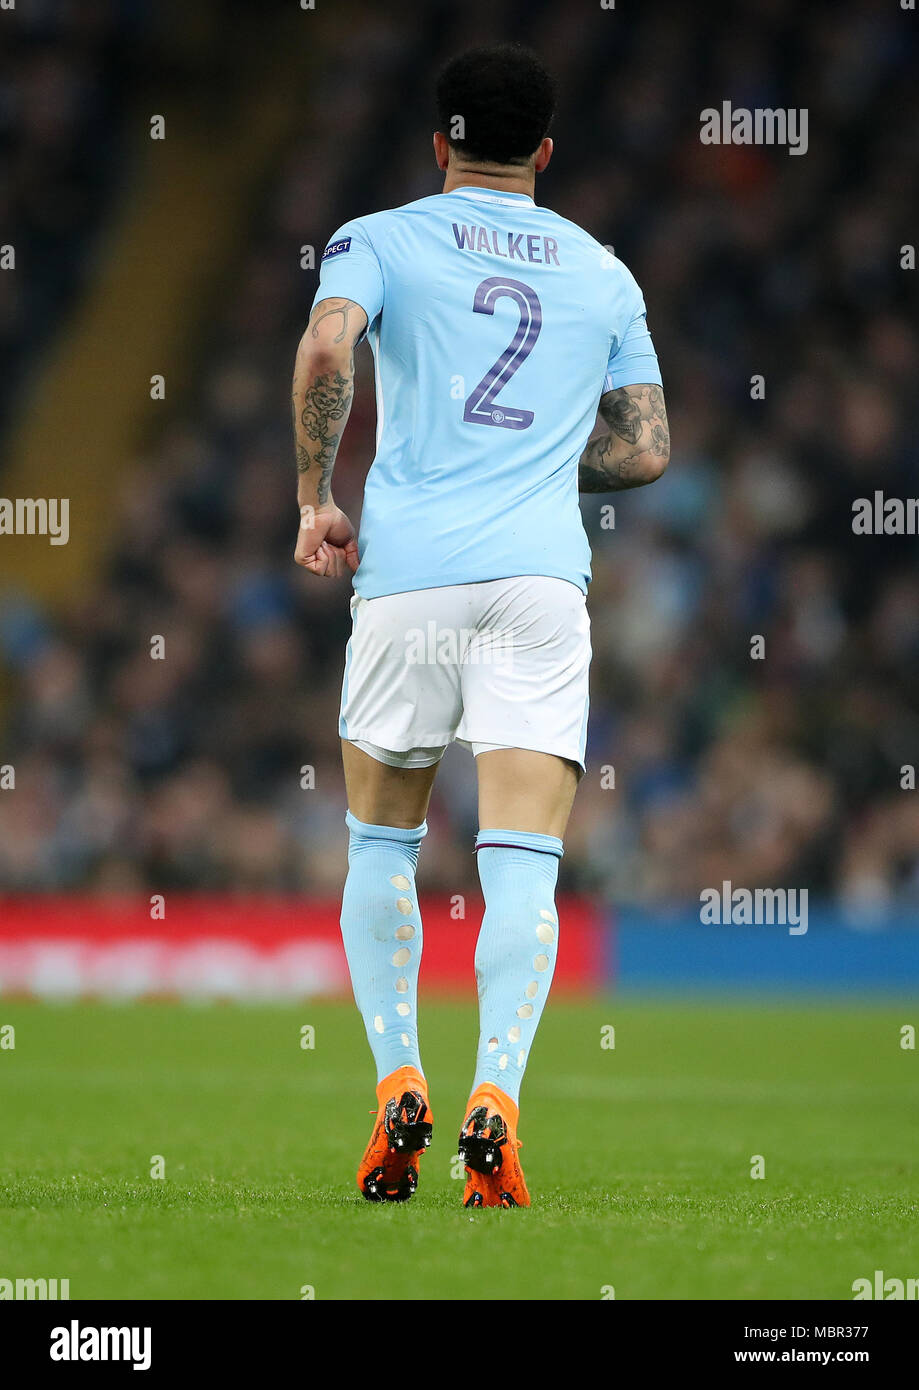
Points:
(326, 544)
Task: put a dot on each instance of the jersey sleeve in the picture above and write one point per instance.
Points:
(350, 269)
(632, 360)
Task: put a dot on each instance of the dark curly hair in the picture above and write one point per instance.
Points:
(506, 98)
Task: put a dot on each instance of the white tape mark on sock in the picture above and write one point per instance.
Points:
(541, 963)
(379, 1024)
(525, 1011)
(405, 933)
(400, 881)
(405, 906)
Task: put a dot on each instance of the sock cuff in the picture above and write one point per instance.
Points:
(361, 831)
(519, 839)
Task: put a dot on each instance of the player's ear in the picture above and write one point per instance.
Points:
(441, 151)
(543, 155)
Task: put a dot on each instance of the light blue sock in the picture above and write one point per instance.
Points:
(515, 953)
(381, 930)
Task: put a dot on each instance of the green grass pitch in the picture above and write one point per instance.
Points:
(638, 1157)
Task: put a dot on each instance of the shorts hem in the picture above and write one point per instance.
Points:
(534, 746)
(400, 746)
(444, 740)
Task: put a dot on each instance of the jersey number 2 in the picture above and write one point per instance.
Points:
(481, 408)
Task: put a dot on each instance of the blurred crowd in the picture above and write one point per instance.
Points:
(707, 759)
(65, 72)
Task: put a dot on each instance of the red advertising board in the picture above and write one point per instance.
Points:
(214, 946)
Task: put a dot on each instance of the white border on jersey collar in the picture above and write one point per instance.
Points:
(483, 195)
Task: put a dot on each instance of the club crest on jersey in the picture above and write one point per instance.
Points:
(335, 248)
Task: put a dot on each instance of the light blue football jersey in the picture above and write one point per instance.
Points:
(495, 325)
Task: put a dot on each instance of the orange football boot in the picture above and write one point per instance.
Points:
(488, 1145)
(389, 1168)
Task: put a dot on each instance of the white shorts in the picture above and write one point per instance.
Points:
(501, 664)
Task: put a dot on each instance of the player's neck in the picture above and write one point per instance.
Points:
(501, 179)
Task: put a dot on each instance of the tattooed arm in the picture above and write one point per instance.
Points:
(323, 385)
(322, 390)
(636, 448)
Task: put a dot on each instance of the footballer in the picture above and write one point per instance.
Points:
(499, 330)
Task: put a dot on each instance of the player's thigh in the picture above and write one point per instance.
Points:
(379, 794)
(520, 789)
(525, 688)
